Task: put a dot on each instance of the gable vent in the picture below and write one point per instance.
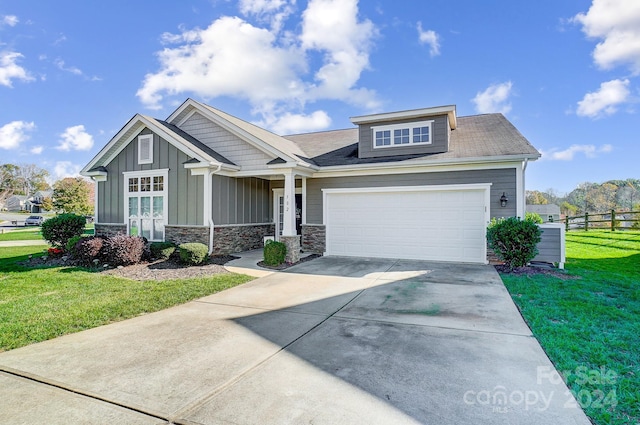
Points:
(145, 149)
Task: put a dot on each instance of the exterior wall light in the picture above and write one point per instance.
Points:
(503, 200)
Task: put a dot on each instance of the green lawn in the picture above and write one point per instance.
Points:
(26, 234)
(589, 325)
(33, 233)
(43, 303)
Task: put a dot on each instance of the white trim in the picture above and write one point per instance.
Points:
(304, 201)
(520, 195)
(404, 126)
(450, 110)
(142, 139)
(164, 173)
(279, 192)
(485, 187)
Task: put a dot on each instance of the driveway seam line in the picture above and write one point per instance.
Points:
(276, 310)
(54, 384)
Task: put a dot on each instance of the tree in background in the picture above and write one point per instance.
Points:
(535, 197)
(47, 204)
(25, 179)
(72, 195)
(568, 209)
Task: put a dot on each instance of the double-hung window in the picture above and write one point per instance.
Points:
(405, 134)
(146, 203)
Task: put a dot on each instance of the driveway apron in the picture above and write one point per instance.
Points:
(333, 340)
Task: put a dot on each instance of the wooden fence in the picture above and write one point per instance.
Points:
(613, 220)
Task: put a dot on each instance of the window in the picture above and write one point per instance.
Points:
(146, 203)
(145, 149)
(402, 134)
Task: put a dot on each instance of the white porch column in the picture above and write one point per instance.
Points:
(289, 219)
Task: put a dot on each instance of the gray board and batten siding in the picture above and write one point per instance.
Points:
(241, 200)
(502, 180)
(439, 142)
(185, 192)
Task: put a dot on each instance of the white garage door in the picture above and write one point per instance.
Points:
(440, 223)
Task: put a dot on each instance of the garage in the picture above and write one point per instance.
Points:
(438, 223)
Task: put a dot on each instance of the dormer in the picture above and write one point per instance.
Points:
(418, 131)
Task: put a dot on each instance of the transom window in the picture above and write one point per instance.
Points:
(405, 134)
(146, 203)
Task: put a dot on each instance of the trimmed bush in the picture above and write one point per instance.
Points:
(514, 241)
(193, 253)
(535, 217)
(162, 250)
(59, 229)
(88, 249)
(122, 250)
(274, 253)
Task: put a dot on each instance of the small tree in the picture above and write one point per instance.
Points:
(58, 230)
(514, 241)
(535, 217)
(71, 195)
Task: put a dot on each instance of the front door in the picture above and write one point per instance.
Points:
(279, 214)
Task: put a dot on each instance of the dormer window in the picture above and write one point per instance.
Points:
(405, 134)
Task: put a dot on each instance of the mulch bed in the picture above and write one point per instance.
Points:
(532, 271)
(151, 270)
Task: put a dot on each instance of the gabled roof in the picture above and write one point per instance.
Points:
(264, 140)
(169, 132)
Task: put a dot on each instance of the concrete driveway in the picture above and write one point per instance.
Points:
(330, 341)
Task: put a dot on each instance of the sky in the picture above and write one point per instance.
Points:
(565, 73)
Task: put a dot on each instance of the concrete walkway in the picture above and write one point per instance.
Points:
(22, 243)
(330, 341)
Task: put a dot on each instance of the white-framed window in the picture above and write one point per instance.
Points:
(145, 149)
(146, 203)
(405, 134)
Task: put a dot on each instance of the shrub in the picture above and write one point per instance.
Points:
(122, 250)
(193, 253)
(274, 253)
(535, 217)
(71, 243)
(59, 229)
(88, 249)
(162, 250)
(514, 241)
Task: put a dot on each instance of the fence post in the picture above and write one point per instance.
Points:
(586, 221)
(566, 223)
(613, 220)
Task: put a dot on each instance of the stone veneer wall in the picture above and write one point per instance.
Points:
(107, 230)
(314, 238)
(186, 234)
(228, 239)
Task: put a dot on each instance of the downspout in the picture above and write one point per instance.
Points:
(210, 215)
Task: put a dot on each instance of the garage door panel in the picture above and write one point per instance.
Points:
(444, 225)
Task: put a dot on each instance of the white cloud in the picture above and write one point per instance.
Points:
(269, 68)
(494, 99)
(590, 151)
(431, 38)
(14, 133)
(9, 69)
(617, 24)
(10, 20)
(64, 169)
(36, 150)
(72, 69)
(289, 123)
(75, 138)
(604, 101)
(273, 11)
